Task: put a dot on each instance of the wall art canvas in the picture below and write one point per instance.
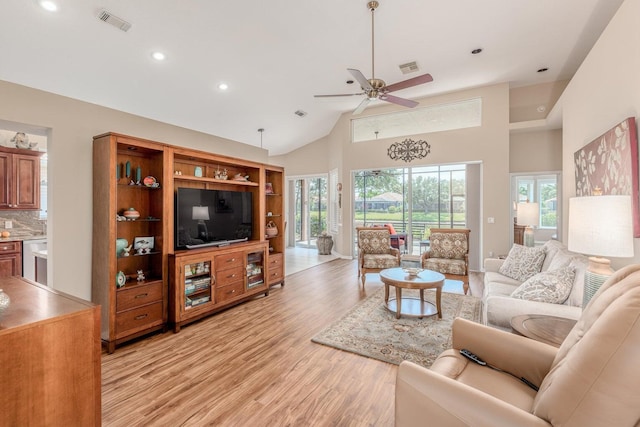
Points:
(609, 164)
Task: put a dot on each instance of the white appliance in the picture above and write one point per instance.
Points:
(28, 257)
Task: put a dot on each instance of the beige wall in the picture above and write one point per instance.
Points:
(72, 125)
(487, 145)
(524, 101)
(535, 151)
(604, 91)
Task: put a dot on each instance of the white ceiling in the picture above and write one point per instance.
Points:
(275, 55)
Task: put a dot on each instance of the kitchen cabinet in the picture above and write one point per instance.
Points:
(19, 179)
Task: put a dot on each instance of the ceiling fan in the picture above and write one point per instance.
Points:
(376, 88)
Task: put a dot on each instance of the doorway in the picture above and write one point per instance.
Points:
(308, 215)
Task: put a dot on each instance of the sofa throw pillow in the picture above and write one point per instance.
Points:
(552, 286)
(523, 262)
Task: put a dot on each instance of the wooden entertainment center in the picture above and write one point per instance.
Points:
(141, 281)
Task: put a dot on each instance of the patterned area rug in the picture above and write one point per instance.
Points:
(371, 330)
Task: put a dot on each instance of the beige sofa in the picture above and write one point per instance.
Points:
(498, 306)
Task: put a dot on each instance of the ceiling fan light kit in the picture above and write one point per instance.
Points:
(374, 88)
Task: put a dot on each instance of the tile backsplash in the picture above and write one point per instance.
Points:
(24, 223)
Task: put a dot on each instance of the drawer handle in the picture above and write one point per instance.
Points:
(231, 260)
(231, 276)
(141, 316)
(233, 291)
(141, 295)
(5, 248)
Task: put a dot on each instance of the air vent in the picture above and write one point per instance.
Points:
(409, 67)
(109, 18)
(300, 113)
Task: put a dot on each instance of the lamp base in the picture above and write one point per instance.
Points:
(528, 237)
(597, 273)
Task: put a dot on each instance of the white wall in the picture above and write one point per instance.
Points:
(604, 91)
(72, 125)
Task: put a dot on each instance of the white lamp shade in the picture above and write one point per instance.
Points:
(601, 226)
(528, 214)
(201, 213)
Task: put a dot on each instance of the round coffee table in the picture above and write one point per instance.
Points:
(411, 306)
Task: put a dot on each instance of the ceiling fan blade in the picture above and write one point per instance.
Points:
(425, 78)
(364, 83)
(400, 101)
(338, 94)
(361, 107)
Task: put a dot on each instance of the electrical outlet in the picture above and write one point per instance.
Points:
(491, 220)
(8, 224)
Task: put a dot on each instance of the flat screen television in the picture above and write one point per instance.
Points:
(212, 217)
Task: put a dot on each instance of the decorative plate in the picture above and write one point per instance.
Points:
(412, 271)
(149, 181)
(121, 279)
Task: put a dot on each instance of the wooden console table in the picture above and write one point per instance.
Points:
(50, 358)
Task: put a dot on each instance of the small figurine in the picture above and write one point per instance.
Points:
(141, 277)
(220, 174)
(125, 251)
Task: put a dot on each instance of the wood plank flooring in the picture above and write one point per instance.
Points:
(255, 365)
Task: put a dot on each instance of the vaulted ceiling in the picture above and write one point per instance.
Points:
(276, 55)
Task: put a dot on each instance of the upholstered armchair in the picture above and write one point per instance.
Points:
(374, 251)
(449, 254)
(591, 380)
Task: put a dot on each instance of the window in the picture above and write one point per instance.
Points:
(412, 199)
(542, 189)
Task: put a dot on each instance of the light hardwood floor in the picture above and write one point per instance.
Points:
(255, 364)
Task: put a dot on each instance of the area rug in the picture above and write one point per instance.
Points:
(371, 330)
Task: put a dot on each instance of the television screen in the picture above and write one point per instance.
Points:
(209, 217)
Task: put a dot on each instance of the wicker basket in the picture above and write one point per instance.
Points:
(272, 229)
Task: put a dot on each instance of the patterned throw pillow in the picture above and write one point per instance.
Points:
(550, 286)
(523, 262)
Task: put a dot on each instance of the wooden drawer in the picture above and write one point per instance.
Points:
(275, 261)
(223, 262)
(138, 319)
(10, 247)
(138, 296)
(229, 292)
(275, 275)
(228, 276)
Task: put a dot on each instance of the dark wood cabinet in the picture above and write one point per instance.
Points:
(19, 179)
(10, 259)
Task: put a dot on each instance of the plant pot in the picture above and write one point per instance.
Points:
(324, 244)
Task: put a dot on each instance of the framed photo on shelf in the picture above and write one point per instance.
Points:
(143, 245)
(268, 187)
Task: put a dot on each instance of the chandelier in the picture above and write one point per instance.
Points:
(408, 150)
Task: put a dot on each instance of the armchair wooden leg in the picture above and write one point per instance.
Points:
(465, 286)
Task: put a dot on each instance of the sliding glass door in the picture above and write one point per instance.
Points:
(309, 209)
(413, 200)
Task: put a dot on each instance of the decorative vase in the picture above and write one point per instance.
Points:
(131, 213)
(120, 245)
(4, 301)
(324, 244)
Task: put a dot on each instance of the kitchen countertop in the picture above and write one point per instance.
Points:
(23, 238)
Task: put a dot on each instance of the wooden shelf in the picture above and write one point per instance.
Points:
(213, 180)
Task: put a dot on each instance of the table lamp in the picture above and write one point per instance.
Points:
(201, 214)
(601, 226)
(528, 214)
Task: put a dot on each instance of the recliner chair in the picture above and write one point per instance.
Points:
(593, 379)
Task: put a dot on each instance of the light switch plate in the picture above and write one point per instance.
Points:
(491, 220)
(8, 224)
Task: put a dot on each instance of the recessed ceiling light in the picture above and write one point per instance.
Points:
(542, 70)
(158, 56)
(48, 5)
(223, 86)
(541, 109)
(476, 51)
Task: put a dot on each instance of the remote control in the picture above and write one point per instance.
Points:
(466, 353)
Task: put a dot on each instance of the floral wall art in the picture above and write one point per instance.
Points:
(609, 165)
